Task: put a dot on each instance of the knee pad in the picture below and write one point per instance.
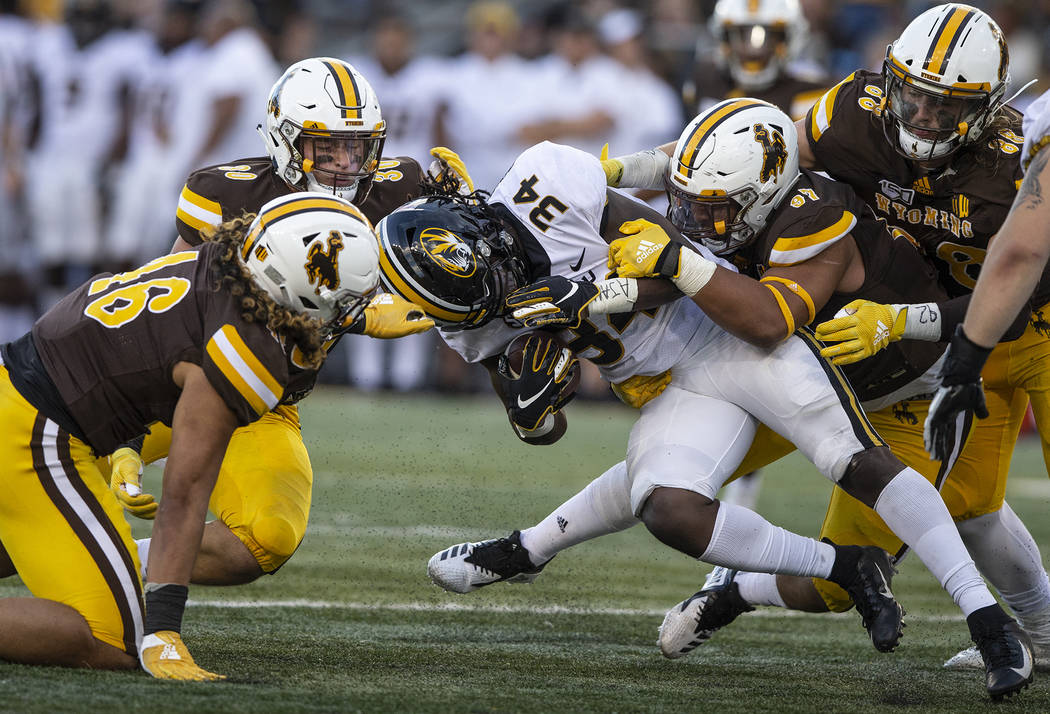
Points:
(271, 539)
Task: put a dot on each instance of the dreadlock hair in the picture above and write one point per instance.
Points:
(256, 305)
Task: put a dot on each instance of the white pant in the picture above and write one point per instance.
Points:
(695, 434)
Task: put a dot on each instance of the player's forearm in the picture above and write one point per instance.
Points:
(745, 308)
(1015, 260)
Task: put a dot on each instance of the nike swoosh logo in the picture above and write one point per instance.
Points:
(534, 397)
(1025, 670)
(572, 292)
(579, 262)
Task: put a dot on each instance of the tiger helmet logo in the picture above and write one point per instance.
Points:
(449, 251)
(774, 151)
(322, 262)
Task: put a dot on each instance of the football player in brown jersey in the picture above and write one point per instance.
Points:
(200, 340)
(757, 41)
(324, 131)
(930, 145)
(807, 246)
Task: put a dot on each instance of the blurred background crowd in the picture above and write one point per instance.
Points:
(107, 105)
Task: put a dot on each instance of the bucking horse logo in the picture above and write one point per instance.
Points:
(322, 263)
(774, 151)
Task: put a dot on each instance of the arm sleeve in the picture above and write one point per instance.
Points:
(195, 212)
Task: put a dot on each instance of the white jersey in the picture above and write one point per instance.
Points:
(1036, 128)
(558, 193)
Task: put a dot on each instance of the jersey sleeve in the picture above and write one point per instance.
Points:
(840, 125)
(196, 210)
(397, 181)
(1036, 129)
(247, 367)
(808, 231)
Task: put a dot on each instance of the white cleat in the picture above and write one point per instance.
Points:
(465, 567)
(692, 622)
(970, 658)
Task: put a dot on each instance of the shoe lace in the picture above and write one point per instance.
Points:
(998, 649)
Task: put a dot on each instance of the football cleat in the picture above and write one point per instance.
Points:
(1006, 650)
(692, 622)
(882, 615)
(970, 658)
(466, 567)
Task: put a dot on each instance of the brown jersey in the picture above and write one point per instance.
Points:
(793, 95)
(820, 212)
(219, 193)
(950, 215)
(109, 348)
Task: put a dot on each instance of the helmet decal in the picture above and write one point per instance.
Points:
(946, 37)
(322, 266)
(774, 151)
(449, 251)
(346, 87)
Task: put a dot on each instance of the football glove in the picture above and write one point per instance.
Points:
(550, 301)
(647, 252)
(546, 370)
(613, 168)
(389, 316)
(639, 390)
(164, 656)
(861, 329)
(960, 391)
(449, 172)
(125, 480)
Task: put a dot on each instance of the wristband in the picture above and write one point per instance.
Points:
(614, 295)
(922, 321)
(644, 169)
(165, 603)
(694, 272)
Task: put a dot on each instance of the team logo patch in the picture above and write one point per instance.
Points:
(447, 250)
(322, 263)
(774, 151)
(897, 193)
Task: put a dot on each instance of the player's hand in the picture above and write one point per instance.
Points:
(546, 370)
(550, 301)
(449, 172)
(389, 316)
(164, 656)
(613, 168)
(646, 252)
(125, 480)
(861, 329)
(960, 392)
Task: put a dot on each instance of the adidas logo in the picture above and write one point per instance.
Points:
(647, 248)
(882, 332)
(562, 523)
(169, 652)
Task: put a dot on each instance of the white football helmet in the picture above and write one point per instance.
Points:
(324, 130)
(731, 168)
(944, 80)
(315, 254)
(758, 38)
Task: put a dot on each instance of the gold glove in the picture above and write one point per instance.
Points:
(164, 656)
(125, 481)
(390, 316)
(639, 390)
(448, 170)
(647, 251)
(861, 328)
(613, 168)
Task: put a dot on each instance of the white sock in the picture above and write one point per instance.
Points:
(744, 540)
(1007, 555)
(914, 511)
(602, 507)
(143, 547)
(759, 589)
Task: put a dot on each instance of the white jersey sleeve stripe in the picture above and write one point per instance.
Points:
(789, 251)
(243, 370)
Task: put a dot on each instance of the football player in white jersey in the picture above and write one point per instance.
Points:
(1012, 268)
(548, 221)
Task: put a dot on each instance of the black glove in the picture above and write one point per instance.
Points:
(960, 391)
(553, 300)
(544, 385)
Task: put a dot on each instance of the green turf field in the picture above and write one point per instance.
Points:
(353, 624)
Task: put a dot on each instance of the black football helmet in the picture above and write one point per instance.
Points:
(453, 258)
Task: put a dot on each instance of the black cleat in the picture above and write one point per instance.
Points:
(466, 567)
(1006, 650)
(869, 588)
(692, 622)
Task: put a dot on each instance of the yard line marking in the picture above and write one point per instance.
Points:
(513, 609)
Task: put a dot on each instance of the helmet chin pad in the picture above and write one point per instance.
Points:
(925, 149)
(347, 193)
